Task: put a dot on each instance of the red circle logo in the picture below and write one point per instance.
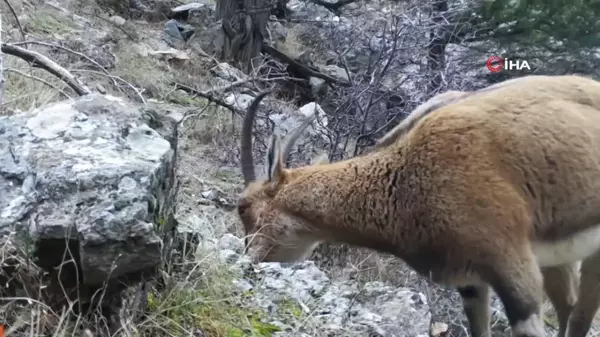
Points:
(494, 64)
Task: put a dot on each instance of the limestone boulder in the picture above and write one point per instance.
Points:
(95, 175)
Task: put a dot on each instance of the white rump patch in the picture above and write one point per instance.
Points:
(574, 248)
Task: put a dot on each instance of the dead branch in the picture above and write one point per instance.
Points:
(14, 13)
(35, 78)
(40, 61)
(208, 96)
(249, 80)
(301, 68)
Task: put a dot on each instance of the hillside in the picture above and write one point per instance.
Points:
(145, 78)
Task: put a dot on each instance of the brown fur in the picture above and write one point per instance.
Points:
(436, 102)
(463, 197)
(422, 110)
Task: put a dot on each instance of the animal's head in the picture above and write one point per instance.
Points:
(272, 235)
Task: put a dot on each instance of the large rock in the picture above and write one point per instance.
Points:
(92, 173)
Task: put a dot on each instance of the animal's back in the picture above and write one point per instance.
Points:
(540, 137)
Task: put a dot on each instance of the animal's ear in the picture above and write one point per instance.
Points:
(274, 160)
(320, 159)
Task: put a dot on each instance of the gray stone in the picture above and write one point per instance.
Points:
(210, 194)
(334, 71)
(227, 72)
(239, 101)
(231, 242)
(200, 13)
(172, 35)
(278, 31)
(172, 29)
(117, 20)
(228, 256)
(187, 7)
(318, 86)
(89, 171)
(307, 10)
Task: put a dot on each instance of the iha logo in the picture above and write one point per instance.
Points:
(497, 63)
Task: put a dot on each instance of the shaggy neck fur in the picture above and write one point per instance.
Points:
(319, 194)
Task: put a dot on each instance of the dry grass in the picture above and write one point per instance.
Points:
(141, 71)
(197, 296)
(28, 88)
(49, 22)
(202, 298)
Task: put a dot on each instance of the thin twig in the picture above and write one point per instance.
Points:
(301, 67)
(35, 78)
(249, 80)
(40, 61)
(208, 96)
(14, 13)
(52, 45)
(113, 77)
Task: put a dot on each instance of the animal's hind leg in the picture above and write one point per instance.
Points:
(561, 284)
(476, 304)
(589, 298)
(517, 280)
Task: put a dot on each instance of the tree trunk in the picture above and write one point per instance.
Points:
(437, 46)
(244, 26)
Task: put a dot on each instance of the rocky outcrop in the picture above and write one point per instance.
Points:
(88, 180)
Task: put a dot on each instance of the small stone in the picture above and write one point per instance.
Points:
(438, 329)
(231, 242)
(117, 20)
(172, 30)
(187, 7)
(210, 194)
(228, 256)
(100, 88)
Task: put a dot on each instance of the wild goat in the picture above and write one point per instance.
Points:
(500, 188)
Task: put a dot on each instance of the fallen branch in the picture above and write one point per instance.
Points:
(301, 68)
(249, 80)
(40, 61)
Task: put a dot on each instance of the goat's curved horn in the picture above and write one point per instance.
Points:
(246, 142)
(291, 139)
